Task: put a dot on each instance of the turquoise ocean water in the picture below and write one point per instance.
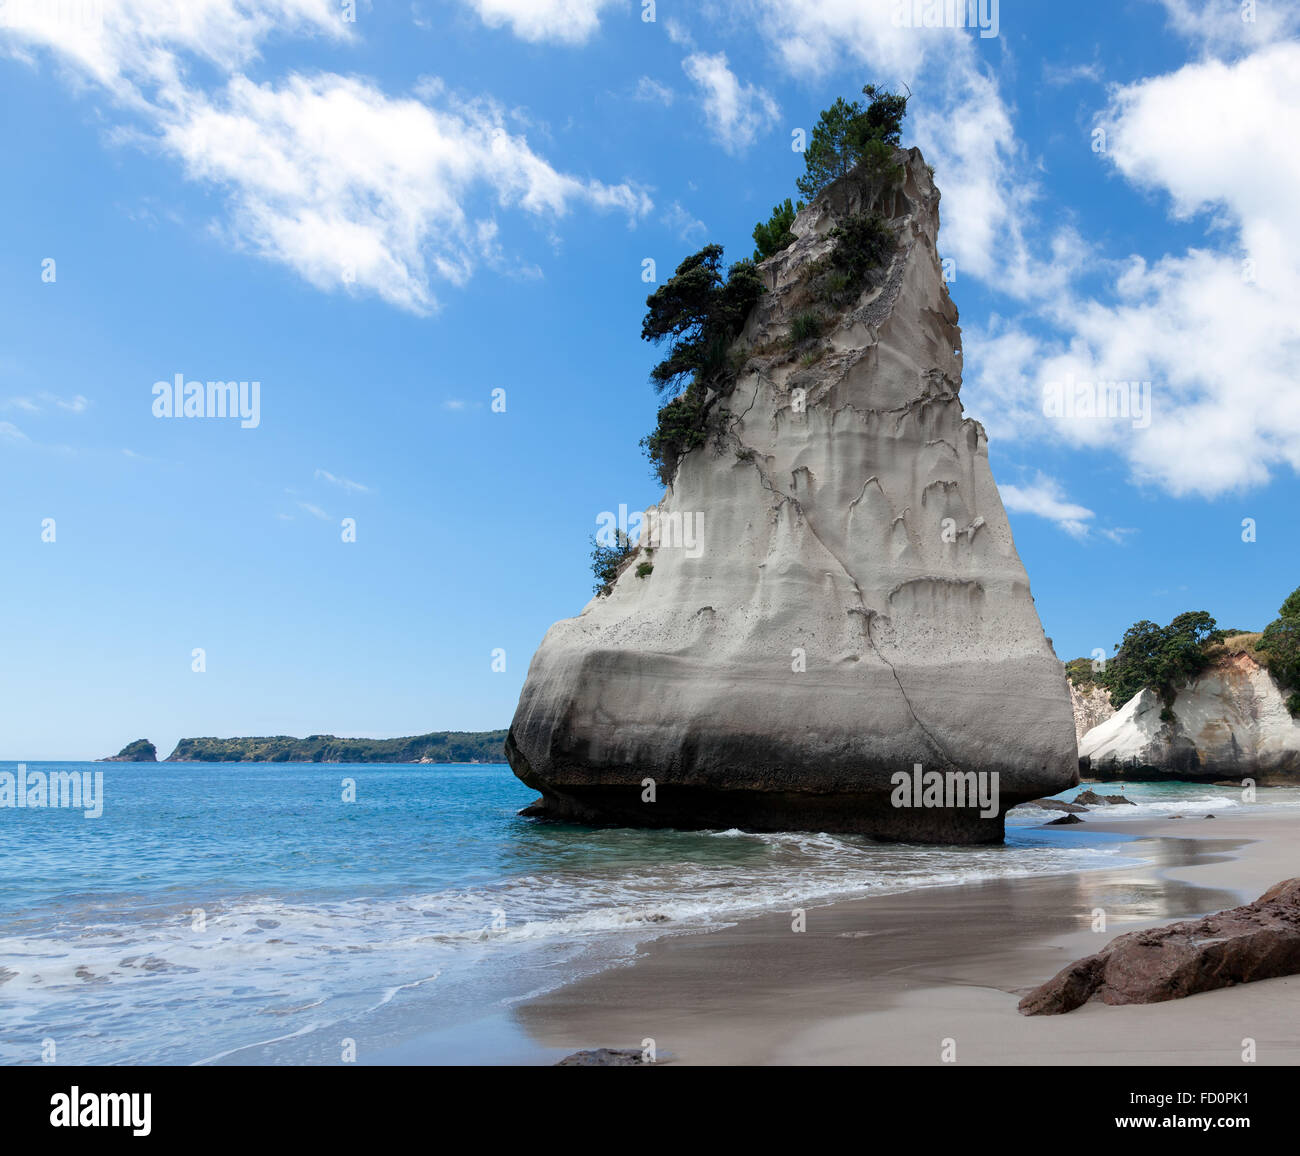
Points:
(248, 913)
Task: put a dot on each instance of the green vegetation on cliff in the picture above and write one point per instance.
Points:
(848, 134)
(607, 561)
(773, 235)
(1080, 671)
(700, 312)
(1279, 649)
(1159, 657)
(1166, 658)
(438, 747)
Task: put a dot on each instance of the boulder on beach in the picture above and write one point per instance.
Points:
(1092, 799)
(1260, 940)
(1064, 819)
(1056, 805)
(841, 599)
(605, 1058)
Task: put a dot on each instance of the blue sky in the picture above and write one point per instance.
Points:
(384, 219)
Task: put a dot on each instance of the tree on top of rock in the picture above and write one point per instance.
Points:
(1161, 658)
(1280, 646)
(847, 133)
(700, 313)
(773, 235)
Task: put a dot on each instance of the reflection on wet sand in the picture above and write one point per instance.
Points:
(760, 979)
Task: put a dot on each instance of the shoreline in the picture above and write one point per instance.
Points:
(885, 979)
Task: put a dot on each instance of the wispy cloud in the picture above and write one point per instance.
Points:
(343, 483)
(652, 92)
(1045, 498)
(678, 33)
(75, 404)
(315, 511)
(684, 224)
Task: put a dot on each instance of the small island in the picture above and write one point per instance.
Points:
(140, 751)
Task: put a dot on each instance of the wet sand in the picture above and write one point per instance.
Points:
(889, 979)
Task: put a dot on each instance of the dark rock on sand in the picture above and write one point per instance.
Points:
(1063, 819)
(1092, 799)
(1260, 940)
(604, 1058)
(1055, 805)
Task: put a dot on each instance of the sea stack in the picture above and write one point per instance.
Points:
(835, 595)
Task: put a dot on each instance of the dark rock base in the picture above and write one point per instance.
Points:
(697, 808)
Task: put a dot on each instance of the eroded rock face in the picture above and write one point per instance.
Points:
(1258, 941)
(852, 603)
(1091, 708)
(1230, 722)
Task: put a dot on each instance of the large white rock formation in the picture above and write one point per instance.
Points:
(1230, 723)
(853, 603)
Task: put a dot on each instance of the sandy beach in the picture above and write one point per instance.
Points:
(887, 980)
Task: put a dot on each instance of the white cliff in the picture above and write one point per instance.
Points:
(1230, 723)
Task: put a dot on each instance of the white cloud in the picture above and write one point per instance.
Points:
(966, 133)
(736, 112)
(678, 33)
(314, 511)
(1044, 498)
(685, 224)
(344, 483)
(652, 92)
(1227, 26)
(133, 47)
(563, 21)
(1215, 330)
(348, 186)
(352, 187)
(12, 432)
